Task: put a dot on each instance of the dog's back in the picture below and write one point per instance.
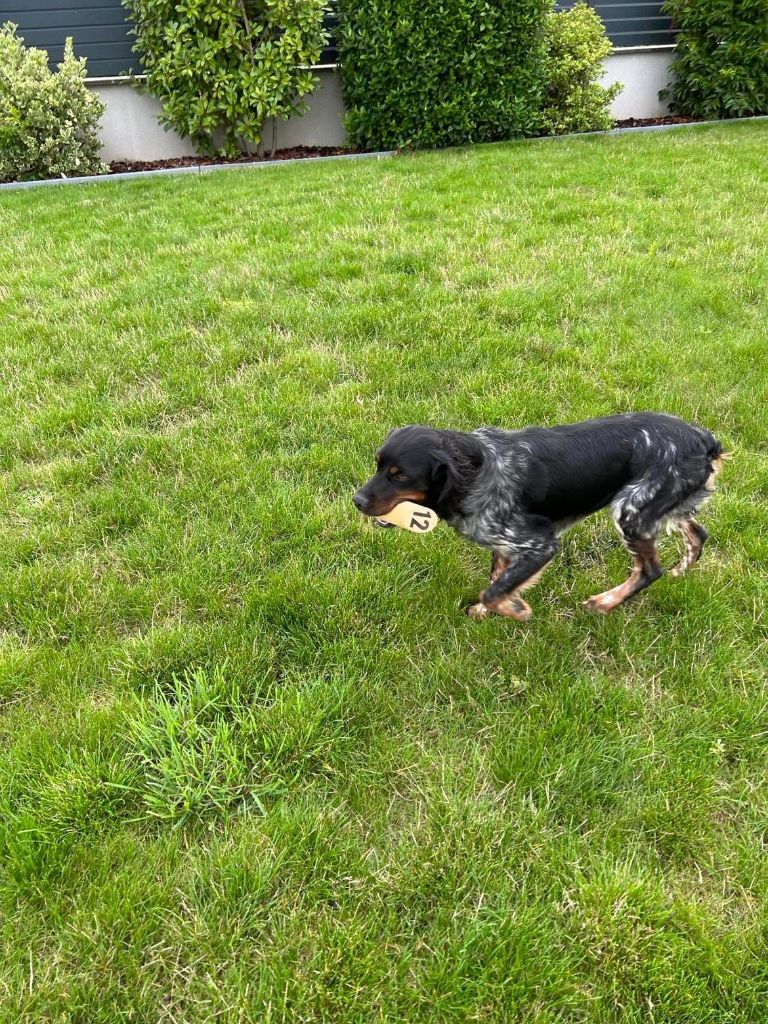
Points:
(575, 469)
(516, 491)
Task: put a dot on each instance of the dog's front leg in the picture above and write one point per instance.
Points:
(525, 562)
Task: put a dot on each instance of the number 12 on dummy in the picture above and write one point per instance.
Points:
(409, 516)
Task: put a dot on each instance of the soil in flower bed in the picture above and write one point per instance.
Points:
(310, 152)
(298, 153)
(644, 122)
(305, 152)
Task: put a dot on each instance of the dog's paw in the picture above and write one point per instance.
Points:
(514, 608)
(600, 603)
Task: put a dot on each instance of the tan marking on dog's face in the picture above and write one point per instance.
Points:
(384, 508)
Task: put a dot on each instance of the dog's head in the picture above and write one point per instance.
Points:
(430, 467)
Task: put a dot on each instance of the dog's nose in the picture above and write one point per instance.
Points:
(361, 502)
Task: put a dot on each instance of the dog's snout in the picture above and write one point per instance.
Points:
(361, 502)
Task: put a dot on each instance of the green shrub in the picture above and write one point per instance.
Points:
(574, 100)
(441, 72)
(220, 68)
(49, 121)
(720, 64)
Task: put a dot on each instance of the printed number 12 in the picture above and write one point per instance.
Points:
(420, 521)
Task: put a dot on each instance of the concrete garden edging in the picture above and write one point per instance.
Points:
(210, 168)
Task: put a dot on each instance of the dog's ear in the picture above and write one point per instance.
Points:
(456, 464)
(444, 478)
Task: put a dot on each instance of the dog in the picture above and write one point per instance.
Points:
(516, 492)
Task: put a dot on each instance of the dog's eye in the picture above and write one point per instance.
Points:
(400, 477)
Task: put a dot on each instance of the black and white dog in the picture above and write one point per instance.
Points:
(516, 491)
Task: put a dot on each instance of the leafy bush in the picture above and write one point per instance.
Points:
(574, 100)
(441, 72)
(49, 121)
(720, 65)
(220, 68)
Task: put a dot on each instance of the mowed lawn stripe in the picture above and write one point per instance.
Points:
(256, 764)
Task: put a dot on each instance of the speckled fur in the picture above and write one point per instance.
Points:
(516, 491)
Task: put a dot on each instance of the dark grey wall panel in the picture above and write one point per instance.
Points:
(102, 34)
(634, 22)
(99, 29)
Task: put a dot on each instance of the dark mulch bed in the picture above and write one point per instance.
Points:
(297, 153)
(644, 122)
(311, 152)
(307, 152)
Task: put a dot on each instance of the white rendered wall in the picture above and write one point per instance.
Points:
(643, 73)
(130, 130)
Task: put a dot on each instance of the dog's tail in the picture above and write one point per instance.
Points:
(715, 455)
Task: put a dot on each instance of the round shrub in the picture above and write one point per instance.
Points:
(221, 68)
(49, 121)
(574, 100)
(441, 72)
(720, 64)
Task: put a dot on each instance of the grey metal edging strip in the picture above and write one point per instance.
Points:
(194, 169)
(258, 164)
(379, 154)
(655, 127)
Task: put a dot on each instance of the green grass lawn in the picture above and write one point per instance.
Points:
(256, 765)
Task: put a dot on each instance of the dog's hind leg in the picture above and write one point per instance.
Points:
(694, 536)
(638, 512)
(645, 569)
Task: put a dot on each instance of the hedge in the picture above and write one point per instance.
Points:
(441, 72)
(222, 68)
(721, 60)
